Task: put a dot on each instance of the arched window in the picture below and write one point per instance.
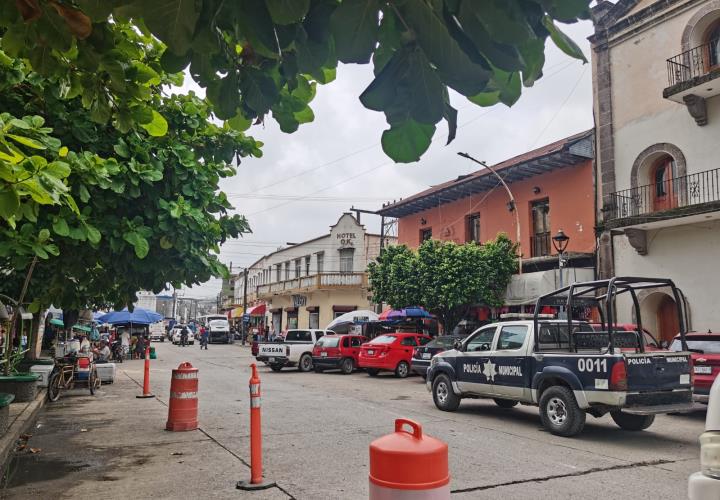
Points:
(712, 38)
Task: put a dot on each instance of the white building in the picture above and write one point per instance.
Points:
(308, 284)
(656, 79)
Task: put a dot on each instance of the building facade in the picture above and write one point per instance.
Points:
(308, 284)
(553, 189)
(656, 86)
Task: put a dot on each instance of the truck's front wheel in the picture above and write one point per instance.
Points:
(305, 364)
(443, 396)
(560, 413)
(630, 422)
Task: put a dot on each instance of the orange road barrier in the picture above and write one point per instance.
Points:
(256, 477)
(183, 407)
(146, 380)
(408, 465)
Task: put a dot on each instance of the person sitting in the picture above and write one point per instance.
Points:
(102, 353)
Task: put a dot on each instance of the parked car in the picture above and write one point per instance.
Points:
(422, 355)
(392, 352)
(176, 335)
(334, 352)
(705, 353)
(294, 350)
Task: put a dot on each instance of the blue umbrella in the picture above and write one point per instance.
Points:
(138, 316)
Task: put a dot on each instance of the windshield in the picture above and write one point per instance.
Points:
(218, 323)
(709, 344)
(384, 339)
(298, 336)
(328, 342)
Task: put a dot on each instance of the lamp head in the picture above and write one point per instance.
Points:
(560, 241)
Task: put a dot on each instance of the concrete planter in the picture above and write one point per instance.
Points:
(23, 386)
(5, 400)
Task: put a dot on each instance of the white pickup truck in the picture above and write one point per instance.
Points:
(295, 350)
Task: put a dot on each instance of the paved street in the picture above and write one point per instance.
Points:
(317, 428)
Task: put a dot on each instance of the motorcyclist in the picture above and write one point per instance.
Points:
(184, 336)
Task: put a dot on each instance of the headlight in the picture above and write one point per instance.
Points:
(434, 360)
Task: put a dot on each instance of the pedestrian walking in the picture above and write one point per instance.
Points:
(204, 338)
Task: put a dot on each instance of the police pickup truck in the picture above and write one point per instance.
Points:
(294, 350)
(567, 368)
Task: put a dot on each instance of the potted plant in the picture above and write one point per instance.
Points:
(23, 386)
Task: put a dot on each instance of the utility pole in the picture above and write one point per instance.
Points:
(244, 327)
(174, 306)
(512, 201)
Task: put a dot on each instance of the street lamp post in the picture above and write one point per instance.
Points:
(512, 206)
(560, 242)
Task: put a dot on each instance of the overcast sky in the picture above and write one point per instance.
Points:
(337, 162)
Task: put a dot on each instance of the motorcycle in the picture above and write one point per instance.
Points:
(118, 352)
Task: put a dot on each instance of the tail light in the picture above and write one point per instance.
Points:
(618, 377)
(692, 372)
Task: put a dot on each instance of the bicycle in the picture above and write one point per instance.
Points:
(64, 375)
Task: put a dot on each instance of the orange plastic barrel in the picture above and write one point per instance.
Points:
(183, 406)
(408, 465)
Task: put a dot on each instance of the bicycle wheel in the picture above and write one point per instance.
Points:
(92, 380)
(54, 387)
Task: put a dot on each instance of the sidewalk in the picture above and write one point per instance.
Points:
(112, 446)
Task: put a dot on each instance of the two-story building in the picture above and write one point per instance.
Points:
(307, 284)
(656, 79)
(553, 189)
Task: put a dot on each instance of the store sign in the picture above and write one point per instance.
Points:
(346, 239)
(299, 300)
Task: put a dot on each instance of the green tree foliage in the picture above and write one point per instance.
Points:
(261, 57)
(126, 209)
(444, 277)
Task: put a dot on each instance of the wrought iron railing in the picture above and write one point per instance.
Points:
(540, 244)
(678, 192)
(692, 63)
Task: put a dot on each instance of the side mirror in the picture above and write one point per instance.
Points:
(457, 345)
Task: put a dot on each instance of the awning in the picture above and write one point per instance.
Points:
(236, 313)
(292, 310)
(524, 289)
(258, 310)
(312, 309)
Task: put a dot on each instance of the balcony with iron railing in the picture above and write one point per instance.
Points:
(674, 197)
(693, 72)
(321, 281)
(540, 244)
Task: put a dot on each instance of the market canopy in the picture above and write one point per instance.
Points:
(138, 316)
(353, 318)
(524, 289)
(258, 310)
(57, 322)
(407, 312)
(236, 313)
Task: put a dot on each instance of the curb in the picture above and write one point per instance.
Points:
(22, 424)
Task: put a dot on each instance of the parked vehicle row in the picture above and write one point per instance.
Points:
(568, 368)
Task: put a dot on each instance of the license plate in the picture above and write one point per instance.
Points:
(271, 360)
(323, 355)
(371, 352)
(703, 369)
(426, 355)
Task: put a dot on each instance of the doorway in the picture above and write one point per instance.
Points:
(664, 192)
(667, 319)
